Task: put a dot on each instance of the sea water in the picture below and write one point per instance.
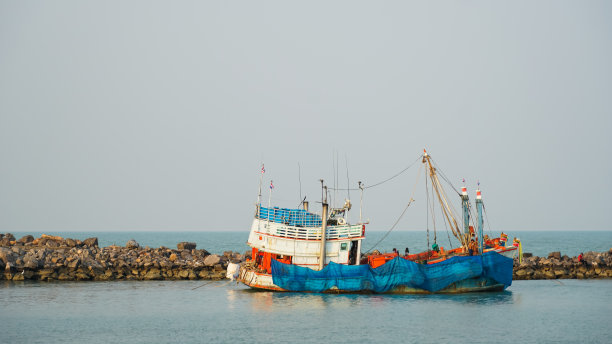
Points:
(544, 311)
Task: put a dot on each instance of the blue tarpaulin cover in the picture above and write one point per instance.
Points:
(396, 272)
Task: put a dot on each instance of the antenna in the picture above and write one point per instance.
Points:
(348, 184)
(321, 180)
(300, 179)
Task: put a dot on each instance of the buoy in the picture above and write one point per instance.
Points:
(232, 271)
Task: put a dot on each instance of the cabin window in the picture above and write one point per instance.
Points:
(343, 246)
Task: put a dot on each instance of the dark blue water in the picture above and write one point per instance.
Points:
(537, 242)
(566, 311)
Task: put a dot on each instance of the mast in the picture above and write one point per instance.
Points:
(480, 220)
(263, 170)
(360, 202)
(323, 229)
(465, 204)
(444, 204)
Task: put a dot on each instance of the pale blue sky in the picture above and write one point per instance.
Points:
(154, 115)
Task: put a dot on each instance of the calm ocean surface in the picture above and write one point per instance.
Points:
(566, 311)
(549, 311)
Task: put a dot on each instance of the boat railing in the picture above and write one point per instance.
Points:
(304, 233)
(291, 217)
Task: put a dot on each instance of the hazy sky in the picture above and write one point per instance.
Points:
(156, 115)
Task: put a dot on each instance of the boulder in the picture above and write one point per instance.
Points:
(212, 260)
(524, 272)
(52, 243)
(91, 242)
(30, 263)
(70, 242)
(6, 255)
(556, 255)
(186, 245)
(26, 239)
(173, 257)
(74, 264)
(132, 244)
(153, 274)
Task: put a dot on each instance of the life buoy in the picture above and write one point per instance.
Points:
(341, 221)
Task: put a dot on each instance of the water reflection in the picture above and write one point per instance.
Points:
(268, 301)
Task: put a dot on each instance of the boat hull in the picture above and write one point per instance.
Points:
(264, 282)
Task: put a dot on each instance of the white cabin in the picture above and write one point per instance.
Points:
(293, 236)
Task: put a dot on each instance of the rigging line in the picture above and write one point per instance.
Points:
(401, 215)
(386, 180)
(441, 173)
(450, 206)
(487, 217)
(448, 235)
(444, 205)
(433, 218)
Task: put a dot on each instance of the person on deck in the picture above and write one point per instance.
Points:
(472, 247)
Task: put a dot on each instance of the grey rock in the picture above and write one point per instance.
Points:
(91, 242)
(7, 255)
(556, 255)
(52, 243)
(30, 263)
(153, 274)
(186, 245)
(26, 239)
(212, 260)
(132, 244)
(74, 264)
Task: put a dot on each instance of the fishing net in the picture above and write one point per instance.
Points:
(395, 273)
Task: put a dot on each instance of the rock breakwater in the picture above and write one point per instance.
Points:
(51, 258)
(557, 266)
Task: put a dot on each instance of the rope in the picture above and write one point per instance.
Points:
(382, 182)
(444, 176)
(401, 215)
(205, 284)
(487, 217)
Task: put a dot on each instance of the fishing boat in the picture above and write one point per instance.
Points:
(302, 251)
